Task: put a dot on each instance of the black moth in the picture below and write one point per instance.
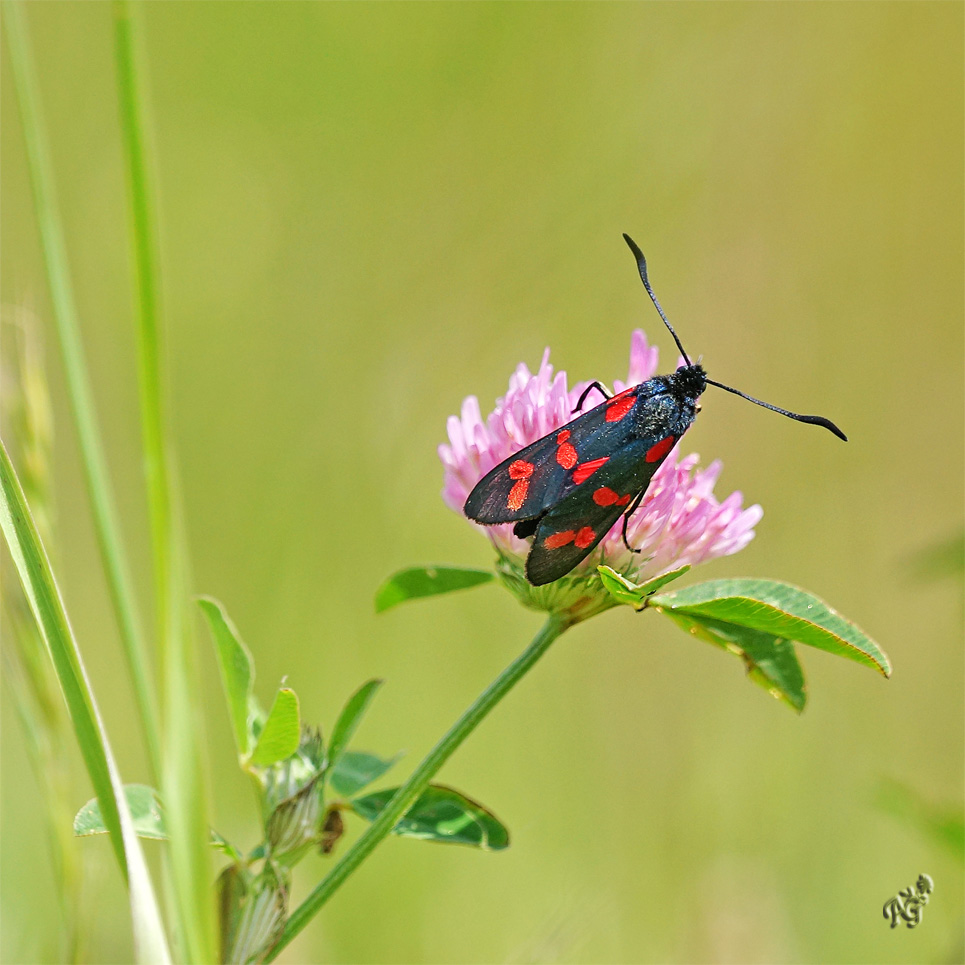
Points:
(570, 487)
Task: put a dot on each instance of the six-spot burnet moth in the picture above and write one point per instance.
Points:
(568, 488)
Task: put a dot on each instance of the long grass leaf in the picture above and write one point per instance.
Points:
(47, 607)
(99, 489)
(182, 773)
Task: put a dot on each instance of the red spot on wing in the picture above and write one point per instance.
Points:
(660, 449)
(566, 455)
(605, 496)
(517, 495)
(619, 406)
(520, 469)
(586, 469)
(555, 540)
(562, 437)
(585, 537)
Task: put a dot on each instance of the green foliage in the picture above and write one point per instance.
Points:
(440, 814)
(300, 138)
(779, 609)
(280, 735)
(769, 660)
(28, 676)
(145, 811)
(418, 581)
(355, 770)
(350, 718)
(41, 591)
(76, 377)
(236, 666)
(188, 869)
(291, 769)
(757, 620)
(37, 579)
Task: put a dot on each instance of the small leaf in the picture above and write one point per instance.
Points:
(349, 719)
(236, 665)
(427, 581)
(279, 737)
(354, 770)
(145, 806)
(441, 814)
(779, 609)
(635, 594)
(770, 661)
(145, 809)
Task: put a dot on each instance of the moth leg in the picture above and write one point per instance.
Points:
(626, 519)
(593, 385)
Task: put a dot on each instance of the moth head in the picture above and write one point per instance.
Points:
(688, 382)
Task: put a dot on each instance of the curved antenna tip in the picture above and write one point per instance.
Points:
(642, 268)
(817, 420)
(634, 247)
(814, 420)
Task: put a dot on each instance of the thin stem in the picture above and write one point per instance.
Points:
(182, 776)
(407, 795)
(67, 325)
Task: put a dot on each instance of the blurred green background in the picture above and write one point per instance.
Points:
(370, 211)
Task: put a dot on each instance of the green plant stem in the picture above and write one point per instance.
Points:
(407, 795)
(182, 773)
(99, 489)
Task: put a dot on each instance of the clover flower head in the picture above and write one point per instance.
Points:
(680, 521)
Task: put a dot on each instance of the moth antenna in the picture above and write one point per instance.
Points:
(642, 266)
(814, 420)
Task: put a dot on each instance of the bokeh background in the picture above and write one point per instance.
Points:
(372, 210)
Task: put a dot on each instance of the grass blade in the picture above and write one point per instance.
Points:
(182, 774)
(47, 607)
(99, 488)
